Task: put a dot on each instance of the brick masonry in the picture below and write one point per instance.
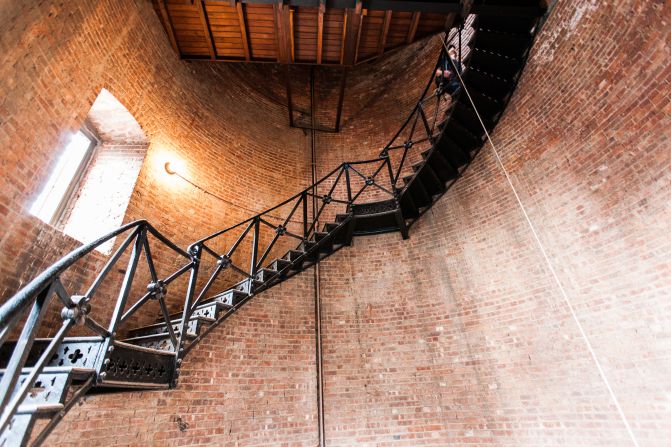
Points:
(56, 59)
(457, 336)
(460, 336)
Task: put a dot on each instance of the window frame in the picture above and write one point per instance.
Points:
(59, 217)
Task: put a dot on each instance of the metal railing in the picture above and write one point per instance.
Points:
(33, 302)
(421, 128)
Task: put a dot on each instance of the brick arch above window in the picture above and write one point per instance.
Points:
(99, 201)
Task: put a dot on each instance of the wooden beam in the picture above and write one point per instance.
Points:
(343, 37)
(385, 31)
(414, 23)
(364, 13)
(243, 30)
(168, 25)
(441, 7)
(291, 34)
(284, 32)
(206, 28)
(341, 98)
(351, 33)
(320, 29)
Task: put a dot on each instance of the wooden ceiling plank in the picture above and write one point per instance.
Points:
(343, 38)
(243, 30)
(352, 33)
(412, 31)
(202, 14)
(385, 32)
(168, 25)
(320, 30)
(283, 31)
(291, 35)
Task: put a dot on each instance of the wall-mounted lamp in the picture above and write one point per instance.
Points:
(168, 168)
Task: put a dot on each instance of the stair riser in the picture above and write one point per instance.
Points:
(77, 352)
(502, 43)
(488, 62)
(194, 326)
(267, 275)
(441, 167)
(139, 367)
(230, 297)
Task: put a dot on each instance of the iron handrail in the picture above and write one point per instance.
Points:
(286, 201)
(24, 297)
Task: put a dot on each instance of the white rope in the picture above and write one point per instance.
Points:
(552, 270)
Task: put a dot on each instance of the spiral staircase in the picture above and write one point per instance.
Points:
(42, 377)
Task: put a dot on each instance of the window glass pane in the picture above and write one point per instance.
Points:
(52, 195)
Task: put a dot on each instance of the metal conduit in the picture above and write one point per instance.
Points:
(316, 273)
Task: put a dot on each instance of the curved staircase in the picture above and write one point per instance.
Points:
(43, 377)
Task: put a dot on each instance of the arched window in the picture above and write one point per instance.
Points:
(89, 190)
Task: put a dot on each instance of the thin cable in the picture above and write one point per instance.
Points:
(552, 270)
(195, 185)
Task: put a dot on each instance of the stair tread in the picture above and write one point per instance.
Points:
(152, 336)
(39, 409)
(123, 344)
(175, 321)
(205, 303)
(77, 370)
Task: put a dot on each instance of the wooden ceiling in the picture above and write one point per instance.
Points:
(329, 32)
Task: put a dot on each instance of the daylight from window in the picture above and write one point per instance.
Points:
(52, 196)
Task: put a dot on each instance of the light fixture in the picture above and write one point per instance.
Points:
(169, 169)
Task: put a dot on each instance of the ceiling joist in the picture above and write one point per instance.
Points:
(351, 33)
(243, 30)
(167, 23)
(320, 30)
(333, 32)
(385, 32)
(284, 33)
(202, 15)
(414, 22)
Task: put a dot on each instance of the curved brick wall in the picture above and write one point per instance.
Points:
(460, 336)
(457, 336)
(58, 56)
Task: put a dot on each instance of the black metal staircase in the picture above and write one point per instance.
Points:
(43, 377)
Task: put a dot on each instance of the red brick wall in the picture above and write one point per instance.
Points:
(99, 203)
(252, 382)
(460, 336)
(57, 56)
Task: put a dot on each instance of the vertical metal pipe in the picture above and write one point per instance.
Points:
(304, 198)
(255, 251)
(318, 310)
